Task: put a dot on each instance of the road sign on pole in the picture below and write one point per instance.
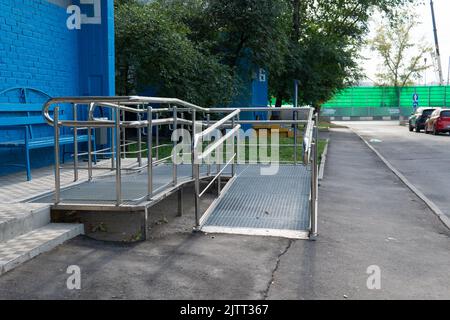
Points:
(415, 101)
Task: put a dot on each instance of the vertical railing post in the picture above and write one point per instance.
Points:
(233, 154)
(174, 165)
(182, 117)
(149, 152)
(139, 136)
(75, 144)
(194, 116)
(208, 166)
(157, 138)
(314, 180)
(112, 140)
(218, 167)
(113, 152)
(238, 140)
(118, 160)
(197, 194)
(57, 168)
(295, 118)
(124, 137)
(295, 139)
(219, 179)
(89, 150)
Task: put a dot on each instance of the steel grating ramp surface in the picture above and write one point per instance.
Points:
(134, 185)
(270, 205)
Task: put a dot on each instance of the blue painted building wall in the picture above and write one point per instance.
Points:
(254, 93)
(38, 50)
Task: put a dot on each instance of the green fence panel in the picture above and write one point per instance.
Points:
(384, 101)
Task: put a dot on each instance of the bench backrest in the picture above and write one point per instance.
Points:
(22, 106)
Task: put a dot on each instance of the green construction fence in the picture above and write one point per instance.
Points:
(383, 101)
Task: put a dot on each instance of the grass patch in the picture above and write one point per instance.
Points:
(286, 149)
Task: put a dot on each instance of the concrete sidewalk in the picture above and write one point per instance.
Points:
(367, 217)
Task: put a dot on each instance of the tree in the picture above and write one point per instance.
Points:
(203, 50)
(325, 40)
(153, 51)
(402, 59)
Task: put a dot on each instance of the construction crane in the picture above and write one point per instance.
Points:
(436, 42)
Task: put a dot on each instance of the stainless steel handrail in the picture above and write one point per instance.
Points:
(215, 126)
(308, 138)
(198, 158)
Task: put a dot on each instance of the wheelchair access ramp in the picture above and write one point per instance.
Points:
(204, 146)
(265, 205)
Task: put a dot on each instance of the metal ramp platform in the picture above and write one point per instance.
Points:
(102, 189)
(267, 205)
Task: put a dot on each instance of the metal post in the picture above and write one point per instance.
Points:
(75, 145)
(295, 139)
(174, 165)
(113, 162)
(139, 136)
(182, 117)
(219, 180)
(149, 153)
(124, 137)
(157, 138)
(118, 160)
(295, 93)
(238, 139)
(208, 167)
(314, 181)
(196, 195)
(194, 116)
(89, 153)
(233, 165)
(57, 168)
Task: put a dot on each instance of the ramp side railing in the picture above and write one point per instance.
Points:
(117, 126)
(199, 157)
(309, 147)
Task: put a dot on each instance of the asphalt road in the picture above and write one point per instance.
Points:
(367, 217)
(423, 159)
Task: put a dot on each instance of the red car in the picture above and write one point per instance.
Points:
(438, 122)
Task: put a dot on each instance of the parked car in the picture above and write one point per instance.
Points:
(418, 119)
(438, 122)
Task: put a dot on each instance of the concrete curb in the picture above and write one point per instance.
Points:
(323, 161)
(433, 207)
(375, 118)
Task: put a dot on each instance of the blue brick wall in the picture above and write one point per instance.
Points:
(38, 50)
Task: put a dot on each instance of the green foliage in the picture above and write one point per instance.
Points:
(196, 49)
(403, 59)
(153, 50)
(325, 40)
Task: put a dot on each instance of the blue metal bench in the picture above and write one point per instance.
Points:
(20, 118)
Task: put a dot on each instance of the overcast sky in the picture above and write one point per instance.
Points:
(425, 30)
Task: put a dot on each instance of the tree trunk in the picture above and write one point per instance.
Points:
(279, 101)
(278, 104)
